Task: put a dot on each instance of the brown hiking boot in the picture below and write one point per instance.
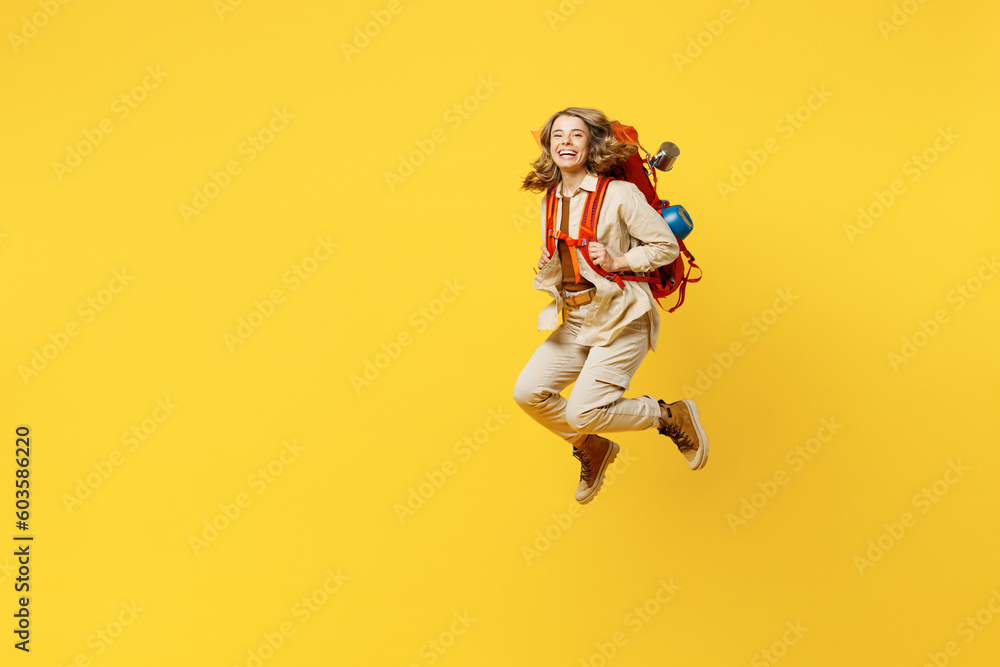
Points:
(595, 454)
(682, 426)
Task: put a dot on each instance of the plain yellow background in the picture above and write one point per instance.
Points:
(429, 282)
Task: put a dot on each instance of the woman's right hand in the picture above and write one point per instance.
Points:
(544, 259)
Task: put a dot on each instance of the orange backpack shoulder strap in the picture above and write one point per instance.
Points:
(592, 208)
(550, 206)
(588, 227)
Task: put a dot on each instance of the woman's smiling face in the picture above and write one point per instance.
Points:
(569, 143)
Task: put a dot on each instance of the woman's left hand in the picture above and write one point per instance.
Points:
(599, 256)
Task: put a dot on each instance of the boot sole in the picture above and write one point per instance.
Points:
(702, 458)
(600, 475)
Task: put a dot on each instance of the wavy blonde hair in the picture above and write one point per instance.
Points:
(605, 151)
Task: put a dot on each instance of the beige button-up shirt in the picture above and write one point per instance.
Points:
(629, 226)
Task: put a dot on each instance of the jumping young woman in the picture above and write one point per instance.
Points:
(606, 330)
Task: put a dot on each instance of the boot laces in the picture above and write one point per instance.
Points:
(680, 438)
(584, 463)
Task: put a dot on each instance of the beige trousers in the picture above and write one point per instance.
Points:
(601, 376)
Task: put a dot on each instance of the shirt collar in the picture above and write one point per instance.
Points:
(589, 183)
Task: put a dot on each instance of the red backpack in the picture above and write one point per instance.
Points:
(665, 280)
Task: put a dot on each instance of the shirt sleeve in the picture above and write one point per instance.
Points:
(659, 245)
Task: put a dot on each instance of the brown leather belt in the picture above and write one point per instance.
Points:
(579, 298)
